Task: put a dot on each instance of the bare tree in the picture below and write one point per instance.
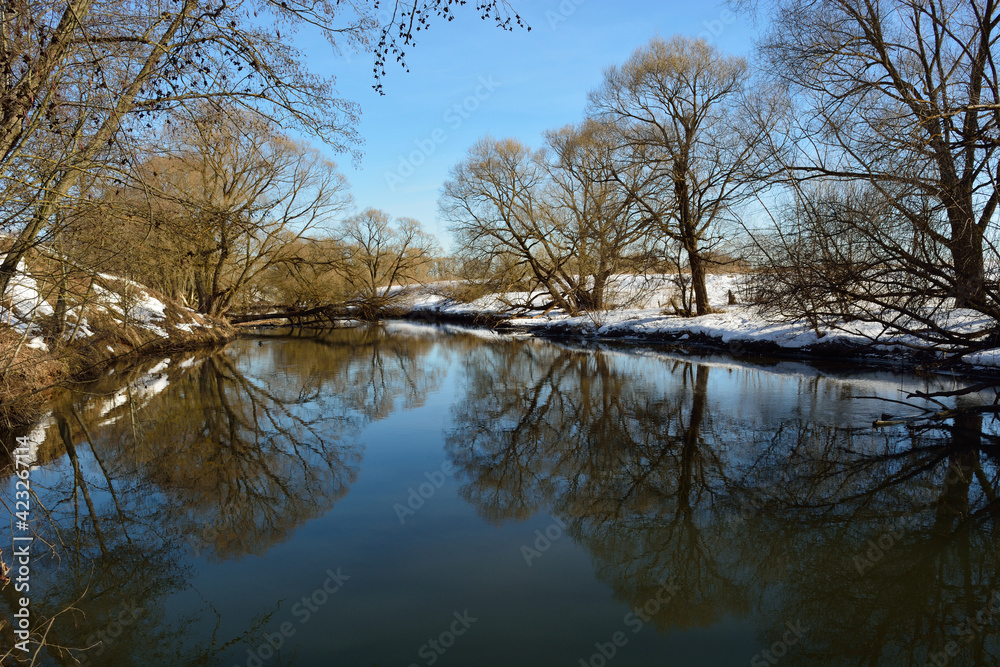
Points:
(678, 103)
(605, 229)
(376, 255)
(493, 203)
(309, 277)
(247, 192)
(82, 76)
(554, 220)
(902, 96)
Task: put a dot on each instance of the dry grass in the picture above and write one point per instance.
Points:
(33, 375)
(23, 378)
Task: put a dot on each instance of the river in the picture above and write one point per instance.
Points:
(409, 495)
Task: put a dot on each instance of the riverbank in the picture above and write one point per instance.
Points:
(119, 320)
(736, 329)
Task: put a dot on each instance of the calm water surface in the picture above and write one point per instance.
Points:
(416, 496)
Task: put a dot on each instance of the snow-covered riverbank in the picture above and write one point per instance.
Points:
(115, 319)
(738, 329)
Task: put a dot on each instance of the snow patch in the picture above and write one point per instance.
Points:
(37, 343)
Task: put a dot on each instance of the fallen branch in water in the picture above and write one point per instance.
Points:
(935, 414)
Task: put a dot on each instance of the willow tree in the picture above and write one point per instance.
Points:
(594, 209)
(553, 219)
(377, 254)
(493, 202)
(80, 80)
(679, 104)
(248, 194)
(901, 97)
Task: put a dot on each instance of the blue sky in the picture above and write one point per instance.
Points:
(468, 79)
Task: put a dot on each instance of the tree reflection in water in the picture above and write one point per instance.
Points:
(762, 505)
(883, 544)
(224, 456)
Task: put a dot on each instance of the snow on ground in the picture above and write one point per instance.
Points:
(24, 295)
(125, 299)
(646, 314)
(134, 305)
(36, 343)
(24, 303)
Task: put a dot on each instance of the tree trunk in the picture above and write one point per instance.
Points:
(59, 326)
(204, 296)
(597, 295)
(692, 440)
(967, 254)
(689, 239)
(698, 281)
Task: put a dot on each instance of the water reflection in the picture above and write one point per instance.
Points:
(221, 456)
(882, 544)
(764, 496)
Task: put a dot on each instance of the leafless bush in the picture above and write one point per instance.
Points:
(844, 253)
